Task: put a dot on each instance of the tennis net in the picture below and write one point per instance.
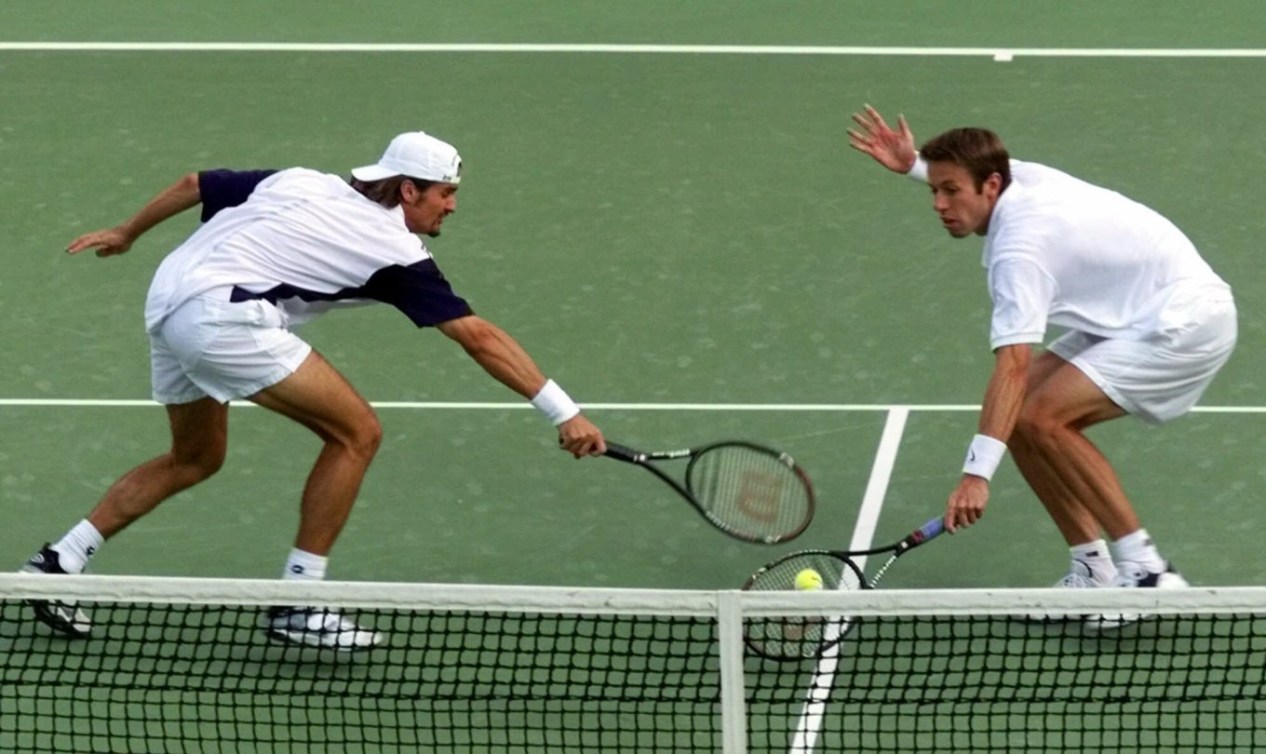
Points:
(183, 665)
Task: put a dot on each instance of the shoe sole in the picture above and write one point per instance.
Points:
(1105, 625)
(1121, 620)
(46, 613)
(1047, 620)
(302, 639)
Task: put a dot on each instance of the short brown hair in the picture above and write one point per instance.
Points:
(387, 190)
(979, 150)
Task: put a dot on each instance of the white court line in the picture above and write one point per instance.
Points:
(523, 405)
(499, 406)
(818, 694)
(997, 53)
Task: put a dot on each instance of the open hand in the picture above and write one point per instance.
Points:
(894, 149)
(106, 242)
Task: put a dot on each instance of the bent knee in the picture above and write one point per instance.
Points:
(194, 467)
(1035, 429)
(362, 439)
(369, 438)
(1031, 423)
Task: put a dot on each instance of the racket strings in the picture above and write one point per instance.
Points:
(794, 637)
(751, 491)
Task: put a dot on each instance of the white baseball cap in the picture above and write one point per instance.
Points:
(417, 155)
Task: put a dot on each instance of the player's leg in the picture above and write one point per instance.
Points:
(1072, 519)
(1076, 484)
(199, 432)
(243, 349)
(199, 442)
(317, 396)
(1156, 379)
(1050, 428)
(199, 436)
(1051, 423)
(1090, 563)
(198, 424)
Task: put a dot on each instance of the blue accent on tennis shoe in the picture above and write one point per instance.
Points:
(1134, 576)
(319, 627)
(63, 617)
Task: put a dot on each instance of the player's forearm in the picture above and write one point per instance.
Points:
(499, 355)
(1005, 393)
(1003, 399)
(509, 365)
(170, 202)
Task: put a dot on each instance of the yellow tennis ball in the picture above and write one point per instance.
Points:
(808, 580)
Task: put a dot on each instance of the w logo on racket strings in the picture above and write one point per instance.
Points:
(749, 491)
(760, 495)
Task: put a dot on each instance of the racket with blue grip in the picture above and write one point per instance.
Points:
(797, 638)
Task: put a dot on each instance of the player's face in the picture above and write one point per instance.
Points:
(424, 211)
(963, 210)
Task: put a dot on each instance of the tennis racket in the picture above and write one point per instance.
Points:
(798, 638)
(749, 491)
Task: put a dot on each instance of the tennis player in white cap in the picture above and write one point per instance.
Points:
(276, 249)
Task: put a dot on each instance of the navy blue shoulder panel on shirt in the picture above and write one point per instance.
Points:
(221, 189)
(419, 291)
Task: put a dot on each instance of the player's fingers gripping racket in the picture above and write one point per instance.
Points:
(749, 491)
(797, 638)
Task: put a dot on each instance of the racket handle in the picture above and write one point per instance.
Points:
(932, 528)
(624, 453)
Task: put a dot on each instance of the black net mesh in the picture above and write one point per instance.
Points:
(180, 678)
(174, 678)
(1188, 683)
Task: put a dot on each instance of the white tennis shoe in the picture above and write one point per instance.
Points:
(1135, 576)
(63, 617)
(319, 627)
(1079, 576)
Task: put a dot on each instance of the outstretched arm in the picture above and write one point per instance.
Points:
(998, 414)
(171, 201)
(894, 149)
(503, 358)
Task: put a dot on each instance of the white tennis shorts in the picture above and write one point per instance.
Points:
(213, 347)
(1162, 377)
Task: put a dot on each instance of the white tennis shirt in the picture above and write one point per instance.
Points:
(1061, 251)
(307, 242)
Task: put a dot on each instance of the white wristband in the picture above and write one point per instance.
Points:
(554, 402)
(919, 170)
(983, 456)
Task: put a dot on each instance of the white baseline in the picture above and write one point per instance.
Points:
(997, 53)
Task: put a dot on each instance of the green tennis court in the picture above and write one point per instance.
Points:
(681, 238)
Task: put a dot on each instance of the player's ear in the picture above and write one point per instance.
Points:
(993, 185)
(409, 192)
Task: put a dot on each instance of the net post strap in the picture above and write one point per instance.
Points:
(733, 688)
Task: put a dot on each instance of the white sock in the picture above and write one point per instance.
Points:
(1138, 548)
(1097, 560)
(304, 566)
(78, 546)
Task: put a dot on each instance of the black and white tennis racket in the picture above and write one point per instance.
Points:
(749, 491)
(797, 638)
